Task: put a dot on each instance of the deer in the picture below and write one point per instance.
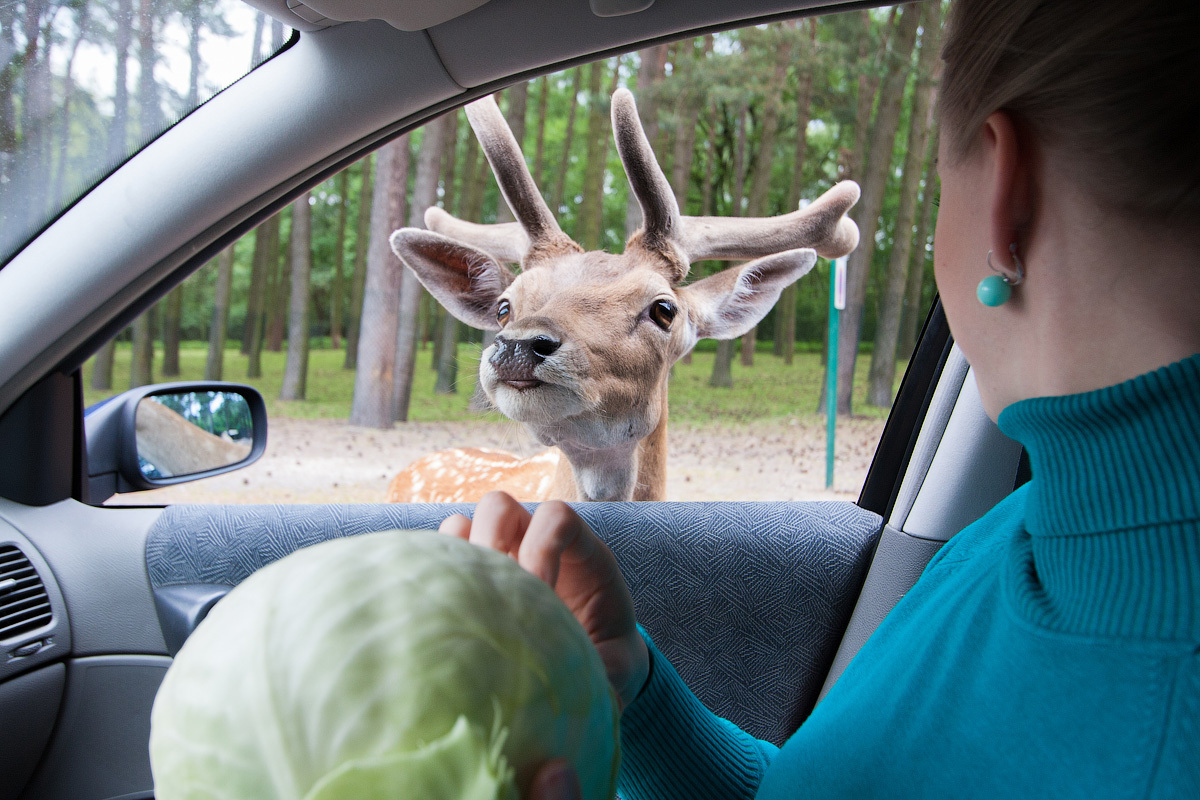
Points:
(585, 340)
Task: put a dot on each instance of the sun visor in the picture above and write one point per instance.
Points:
(405, 15)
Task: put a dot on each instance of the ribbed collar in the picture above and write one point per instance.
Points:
(1113, 506)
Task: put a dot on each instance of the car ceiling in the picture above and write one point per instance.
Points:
(319, 105)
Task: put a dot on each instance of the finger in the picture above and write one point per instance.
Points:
(456, 525)
(500, 522)
(555, 533)
(556, 780)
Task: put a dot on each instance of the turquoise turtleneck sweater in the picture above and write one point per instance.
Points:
(1051, 649)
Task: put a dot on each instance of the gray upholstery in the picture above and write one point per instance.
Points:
(747, 600)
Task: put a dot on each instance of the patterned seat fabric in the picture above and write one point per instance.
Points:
(747, 600)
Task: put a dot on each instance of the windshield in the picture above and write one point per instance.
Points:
(86, 83)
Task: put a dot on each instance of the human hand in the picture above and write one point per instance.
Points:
(556, 545)
(556, 780)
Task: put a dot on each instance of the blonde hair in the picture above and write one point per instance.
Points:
(1111, 85)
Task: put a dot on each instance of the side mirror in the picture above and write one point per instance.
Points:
(172, 433)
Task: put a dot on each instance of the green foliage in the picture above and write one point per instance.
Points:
(768, 390)
(722, 82)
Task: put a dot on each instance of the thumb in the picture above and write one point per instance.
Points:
(556, 780)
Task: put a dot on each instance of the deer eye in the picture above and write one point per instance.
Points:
(503, 310)
(663, 313)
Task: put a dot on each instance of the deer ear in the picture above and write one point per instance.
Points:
(730, 303)
(468, 282)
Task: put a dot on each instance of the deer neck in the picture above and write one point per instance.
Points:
(650, 467)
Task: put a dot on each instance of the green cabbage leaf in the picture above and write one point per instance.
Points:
(391, 665)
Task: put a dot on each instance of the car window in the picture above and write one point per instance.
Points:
(747, 123)
(87, 83)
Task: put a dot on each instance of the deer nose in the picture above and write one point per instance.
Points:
(514, 360)
(532, 351)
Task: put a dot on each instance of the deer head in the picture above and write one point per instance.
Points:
(586, 339)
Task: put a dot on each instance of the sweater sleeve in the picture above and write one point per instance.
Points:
(674, 747)
(1178, 768)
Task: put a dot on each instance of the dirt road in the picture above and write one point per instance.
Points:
(329, 461)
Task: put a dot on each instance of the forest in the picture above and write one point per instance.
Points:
(752, 122)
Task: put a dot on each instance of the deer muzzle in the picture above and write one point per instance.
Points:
(515, 361)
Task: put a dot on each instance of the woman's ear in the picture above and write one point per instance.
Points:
(1010, 161)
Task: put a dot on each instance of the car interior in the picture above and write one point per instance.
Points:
(759, 605)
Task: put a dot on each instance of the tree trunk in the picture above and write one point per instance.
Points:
(172, 319)
(868, 67)
(450, 162)
(761, 181)
(64, 128)
(279, 273)
(358, 281)
(710, 162)
(447, 362)
(141, 364)
(8, 108)
(214, 366)
(804, 93)
(560, 183)
(339, 263)
(913, 316)
(37, 109)
(518, 103)
(474, 181)
(587, 224)
(449, 197)
(151, 120)
(295, 372)
(102, 367)
(883, 357)
(540, 147)
(739, 194)
(687, 115)
(785, 309)
(118, 133)
(265, 246)
(374, 387)
(739, 163)
(173, 307)
(429, 167)
(878, 163)
(653, 65)
(722, 371)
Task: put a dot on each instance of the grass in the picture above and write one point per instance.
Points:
(768, 390)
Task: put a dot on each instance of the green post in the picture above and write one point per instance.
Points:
(837, 301)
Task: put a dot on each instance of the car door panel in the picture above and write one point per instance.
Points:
(99, 750)
(85, 716)
(748, 600)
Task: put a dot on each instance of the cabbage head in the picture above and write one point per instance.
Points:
(385, 666)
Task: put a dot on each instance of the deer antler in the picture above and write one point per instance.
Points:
(536, 233)
(682, 240)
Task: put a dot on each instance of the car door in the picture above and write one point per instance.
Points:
(759, 605)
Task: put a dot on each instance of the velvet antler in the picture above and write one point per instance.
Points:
(536, 234)
(680, 240)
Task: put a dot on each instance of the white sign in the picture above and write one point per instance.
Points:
(839, 283)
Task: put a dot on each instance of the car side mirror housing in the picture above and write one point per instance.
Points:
(169, 433)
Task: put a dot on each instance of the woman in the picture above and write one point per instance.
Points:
(1053, 647)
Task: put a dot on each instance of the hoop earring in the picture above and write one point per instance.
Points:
(995, 290)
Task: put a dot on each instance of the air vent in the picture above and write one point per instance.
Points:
(24, 606)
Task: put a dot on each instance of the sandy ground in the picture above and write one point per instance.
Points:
(329, 461)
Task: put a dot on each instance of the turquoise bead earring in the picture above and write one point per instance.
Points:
(994, 290)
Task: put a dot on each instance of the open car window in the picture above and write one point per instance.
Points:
(752, 122)
(85, 84)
